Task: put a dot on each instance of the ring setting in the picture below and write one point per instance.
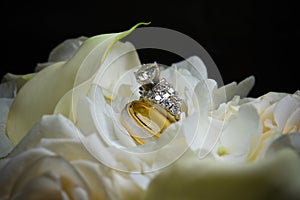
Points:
(158, 107)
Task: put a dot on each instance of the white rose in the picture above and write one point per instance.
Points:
(51, 162)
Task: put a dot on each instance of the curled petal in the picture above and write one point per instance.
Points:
(227, 92)
(59, 172)
(293, 122)
(14, 167)
(263, 102)
(194, 65)
(50, 126)
(242, 131)
(284, 108)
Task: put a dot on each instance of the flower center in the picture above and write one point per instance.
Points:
(222, 151)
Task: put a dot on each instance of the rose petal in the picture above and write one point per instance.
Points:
(227, 92)
(70, 149)
(180, 79)
(209, 134)
(242, 130)
(15, 167)
(293, 122)
(283, 110)
(93, 176)
(50, 126)
(194, 65)
(263, 102)
(124, 188)
(68, 179)
(93, 117)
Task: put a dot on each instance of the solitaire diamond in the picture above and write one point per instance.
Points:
(147, 74)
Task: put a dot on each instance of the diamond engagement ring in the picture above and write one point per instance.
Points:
(158, 107)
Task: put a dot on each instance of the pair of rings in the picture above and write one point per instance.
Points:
(158, 107)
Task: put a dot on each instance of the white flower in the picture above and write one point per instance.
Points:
(51, 162)
(251, 125)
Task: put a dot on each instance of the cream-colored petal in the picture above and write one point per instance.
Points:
(70, 149)
(266, 100)
(93, 118)
(121, 58)
(283, 110)
(227, 92)
(293, 121)
(125, 189)
(180, 79)
(243, 129)
(242, 89)
(15, 167)
(99, 149)
(94, 177)
(46, 186)
(50, 126)
(194, 65)
(274, 178)
(267, 118)
(69, 178)
(85, 120)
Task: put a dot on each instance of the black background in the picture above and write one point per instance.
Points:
(243, 37)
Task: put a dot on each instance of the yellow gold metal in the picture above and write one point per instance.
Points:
(150, 117)
(133, 136)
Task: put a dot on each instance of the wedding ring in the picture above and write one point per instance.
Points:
(158, 107)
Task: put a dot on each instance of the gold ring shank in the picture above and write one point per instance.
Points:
(145, 120)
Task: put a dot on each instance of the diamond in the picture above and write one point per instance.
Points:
(157, 98)
(175, 110)
(171, 90)
(148, 73)
(166, 95)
